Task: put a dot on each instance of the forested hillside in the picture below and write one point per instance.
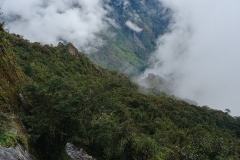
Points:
(70, 99)
(10, 99)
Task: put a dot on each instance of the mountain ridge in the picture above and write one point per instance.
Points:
(70, 99)
(61, 96)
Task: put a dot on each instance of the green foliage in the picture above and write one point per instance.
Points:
(9, 92)
(2, 32)
(4, 122)
(9, 139)
(71, 99)
(54, 117)
(9, 78)
(207, 148)
(64, 156)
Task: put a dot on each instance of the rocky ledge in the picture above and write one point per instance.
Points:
(17, 153)
(77, 153)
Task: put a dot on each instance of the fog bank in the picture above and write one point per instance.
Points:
(201, 53)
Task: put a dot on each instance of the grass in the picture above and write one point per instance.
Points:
(8, 139)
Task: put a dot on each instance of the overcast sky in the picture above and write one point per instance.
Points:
(201, 54)
(50, 21)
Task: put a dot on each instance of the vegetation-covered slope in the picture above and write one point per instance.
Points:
(128, 51)
(71, 99)
(10, 101)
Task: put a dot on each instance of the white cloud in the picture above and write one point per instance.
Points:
(201, 54)
(125, 4)
(133, 26)
(77, 21)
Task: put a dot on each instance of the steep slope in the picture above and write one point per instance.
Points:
(12, 132)
(71, 99)
(128, 50)
(127, 28)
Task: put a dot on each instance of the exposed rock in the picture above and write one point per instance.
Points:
(72, 49)
(23, 106)
(13, 130)
(17, 153)
(77, 153)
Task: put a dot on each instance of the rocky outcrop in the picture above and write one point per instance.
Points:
(17, 153)
(71, 49)
(77, 153)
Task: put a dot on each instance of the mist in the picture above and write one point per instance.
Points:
(53, 21)
(133, 26)
(200, 55)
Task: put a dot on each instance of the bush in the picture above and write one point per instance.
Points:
(4, 122)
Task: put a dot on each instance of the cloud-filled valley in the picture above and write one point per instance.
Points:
(200, 55)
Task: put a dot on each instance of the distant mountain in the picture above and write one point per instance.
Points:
(137, 25)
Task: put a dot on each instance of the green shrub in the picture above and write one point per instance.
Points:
(9, 139)
(4, 122)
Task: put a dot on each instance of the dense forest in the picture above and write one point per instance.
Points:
(61, 96)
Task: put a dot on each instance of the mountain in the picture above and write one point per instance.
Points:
(136, 26)
(121, 32)
(60, 96)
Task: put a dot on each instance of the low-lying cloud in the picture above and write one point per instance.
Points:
(201, 53)
(76, 21)
(133, 26)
